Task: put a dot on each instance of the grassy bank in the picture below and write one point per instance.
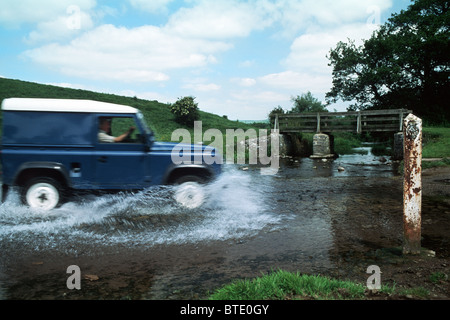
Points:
(283, 285)
(435, 148)
(157, 114)
(436, 142)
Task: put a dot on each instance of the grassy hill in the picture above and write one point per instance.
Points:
(157, 114)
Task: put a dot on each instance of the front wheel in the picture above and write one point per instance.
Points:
(189, 192)
(42, 193)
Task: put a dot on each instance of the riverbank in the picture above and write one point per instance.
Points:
(404, 277)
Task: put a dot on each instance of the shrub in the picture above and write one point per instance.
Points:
(185, 110)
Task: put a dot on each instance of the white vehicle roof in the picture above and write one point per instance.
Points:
(64, 105)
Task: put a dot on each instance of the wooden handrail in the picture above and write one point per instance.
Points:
(359, 121)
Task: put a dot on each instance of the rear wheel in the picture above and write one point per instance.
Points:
(42, 193)
(189, 192)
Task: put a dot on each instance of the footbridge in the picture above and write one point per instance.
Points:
(325, 123)
(356, 121)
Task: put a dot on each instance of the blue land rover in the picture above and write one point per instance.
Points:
(52, 147)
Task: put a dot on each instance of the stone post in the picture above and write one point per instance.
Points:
(323, 146)
(412, 185)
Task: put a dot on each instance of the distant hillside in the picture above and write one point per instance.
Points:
(157, 114)
(255, 121)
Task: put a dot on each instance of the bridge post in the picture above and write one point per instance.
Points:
(412, 185)
(398, 146)
(358, 123)
(277, 123)
(318, 123)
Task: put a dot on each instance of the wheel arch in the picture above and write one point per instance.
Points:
(31, 170)
(177, 172)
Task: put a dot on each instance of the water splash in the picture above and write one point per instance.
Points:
(234, 209)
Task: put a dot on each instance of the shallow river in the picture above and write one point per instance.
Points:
(310, 217)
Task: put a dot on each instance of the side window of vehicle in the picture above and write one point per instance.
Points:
(113, 127)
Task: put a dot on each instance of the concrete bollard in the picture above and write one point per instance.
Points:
(412, 185)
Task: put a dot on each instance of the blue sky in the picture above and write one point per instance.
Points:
(238, 58)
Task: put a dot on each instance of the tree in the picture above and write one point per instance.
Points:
(185, 110)
(405, 64)
(278, 110)
(307, 103)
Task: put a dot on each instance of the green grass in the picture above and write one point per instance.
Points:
(283, 285)
(436, 142)
(445, 162)
(435, 145)
(437, 277)
(345, 142)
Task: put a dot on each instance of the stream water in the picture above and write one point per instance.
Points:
(308, 217)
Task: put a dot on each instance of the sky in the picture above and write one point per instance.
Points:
(239, 58)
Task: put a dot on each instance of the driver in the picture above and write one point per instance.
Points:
(105, 127)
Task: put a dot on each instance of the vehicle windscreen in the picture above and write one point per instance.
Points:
(143, 123)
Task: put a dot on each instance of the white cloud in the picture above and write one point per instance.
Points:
(244, 82)
(297, 82)
(51, 20)
(259, 97)
(202, 87)
(308, 15)
(309, 51)
(139, 54)
(207, 87)
(18, 12)
(254, 104)
(61, 28)
(218, 19)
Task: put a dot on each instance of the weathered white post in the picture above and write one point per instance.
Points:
(412, 185)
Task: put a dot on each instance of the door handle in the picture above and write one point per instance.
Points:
(102, 159)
